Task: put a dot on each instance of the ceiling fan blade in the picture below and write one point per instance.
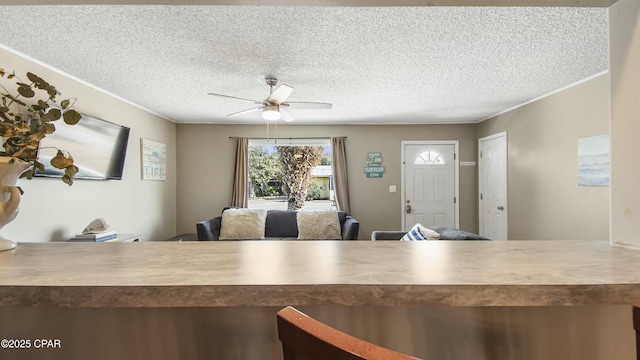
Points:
(280, 94)
(245, 111)
(286, 116)
(307, 105)
(237, 98)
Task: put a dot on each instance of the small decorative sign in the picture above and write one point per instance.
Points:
(154, 160)
(374, 168)
(374, 158)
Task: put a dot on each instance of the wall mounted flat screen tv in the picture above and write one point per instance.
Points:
(98, 148)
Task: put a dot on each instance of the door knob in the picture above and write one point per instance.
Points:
(500, 207)
(408, 209)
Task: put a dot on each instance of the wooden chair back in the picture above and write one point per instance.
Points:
(304, 338)
(636, 326)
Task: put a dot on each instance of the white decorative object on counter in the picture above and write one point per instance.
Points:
(96, 226)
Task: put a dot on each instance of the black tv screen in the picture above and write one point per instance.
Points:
(98, 148)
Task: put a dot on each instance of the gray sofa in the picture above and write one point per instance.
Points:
(445, 234)
(280, 225)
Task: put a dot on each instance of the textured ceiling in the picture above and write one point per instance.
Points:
(375, 64)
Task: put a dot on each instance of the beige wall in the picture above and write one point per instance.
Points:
(150, 207)
(51, 210)
(58, 211)
(544, 199)
(624, 42)
(206, 156)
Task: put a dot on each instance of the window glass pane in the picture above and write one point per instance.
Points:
(266, 188)
(429, 157)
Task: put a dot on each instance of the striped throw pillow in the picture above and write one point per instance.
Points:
(419, 232)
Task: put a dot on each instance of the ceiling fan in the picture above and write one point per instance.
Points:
(274, 107)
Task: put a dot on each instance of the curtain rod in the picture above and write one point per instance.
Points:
(289, 138)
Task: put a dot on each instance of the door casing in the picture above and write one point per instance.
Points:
(500, 230)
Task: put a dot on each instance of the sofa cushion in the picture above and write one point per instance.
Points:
(456, 234)
(281, 224)
(318, 225)
(243, 224)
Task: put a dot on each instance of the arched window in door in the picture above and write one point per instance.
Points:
(429, 157)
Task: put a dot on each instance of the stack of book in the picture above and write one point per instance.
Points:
(104, 236)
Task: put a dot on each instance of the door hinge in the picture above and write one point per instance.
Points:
(480, 196)
(454, 156)
(480, 153)
(455, 200)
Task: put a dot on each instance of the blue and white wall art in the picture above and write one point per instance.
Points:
(593, 161)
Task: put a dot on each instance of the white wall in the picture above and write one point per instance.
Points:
(52, 211)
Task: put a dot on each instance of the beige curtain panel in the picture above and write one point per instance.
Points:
(340, 183)
(239, 194)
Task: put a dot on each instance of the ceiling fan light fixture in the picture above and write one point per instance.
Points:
(271, 112)
(271, 106)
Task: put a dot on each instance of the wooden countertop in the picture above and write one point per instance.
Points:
(277, 273)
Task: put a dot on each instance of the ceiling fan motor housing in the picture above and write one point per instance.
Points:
(271, 82)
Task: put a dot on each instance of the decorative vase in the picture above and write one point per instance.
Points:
(10, 197)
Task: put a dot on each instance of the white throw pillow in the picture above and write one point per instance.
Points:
(318, 225)
(419, 232)
(243, 224)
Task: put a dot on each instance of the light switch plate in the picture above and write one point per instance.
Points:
(392, 188)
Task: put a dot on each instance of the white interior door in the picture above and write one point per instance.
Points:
(430, 183)
(492, 179)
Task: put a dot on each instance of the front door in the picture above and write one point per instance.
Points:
(492, 181)
(430, 183)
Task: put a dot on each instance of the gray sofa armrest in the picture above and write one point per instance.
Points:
(350, 229)
(387, 235)
(209, 229)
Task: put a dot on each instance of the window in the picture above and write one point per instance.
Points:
(268, 190)
(429, 157)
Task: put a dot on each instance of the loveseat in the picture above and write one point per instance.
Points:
(279, 225)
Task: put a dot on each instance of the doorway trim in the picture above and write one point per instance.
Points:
(456, 165)
(482, 185)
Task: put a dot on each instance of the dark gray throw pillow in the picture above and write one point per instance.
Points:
(281, 224)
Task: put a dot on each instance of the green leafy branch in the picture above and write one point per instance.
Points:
(28, 116)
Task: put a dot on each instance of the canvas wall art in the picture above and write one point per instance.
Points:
(154, 160)
(593, 161)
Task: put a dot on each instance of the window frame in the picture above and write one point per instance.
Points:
(430, 162)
